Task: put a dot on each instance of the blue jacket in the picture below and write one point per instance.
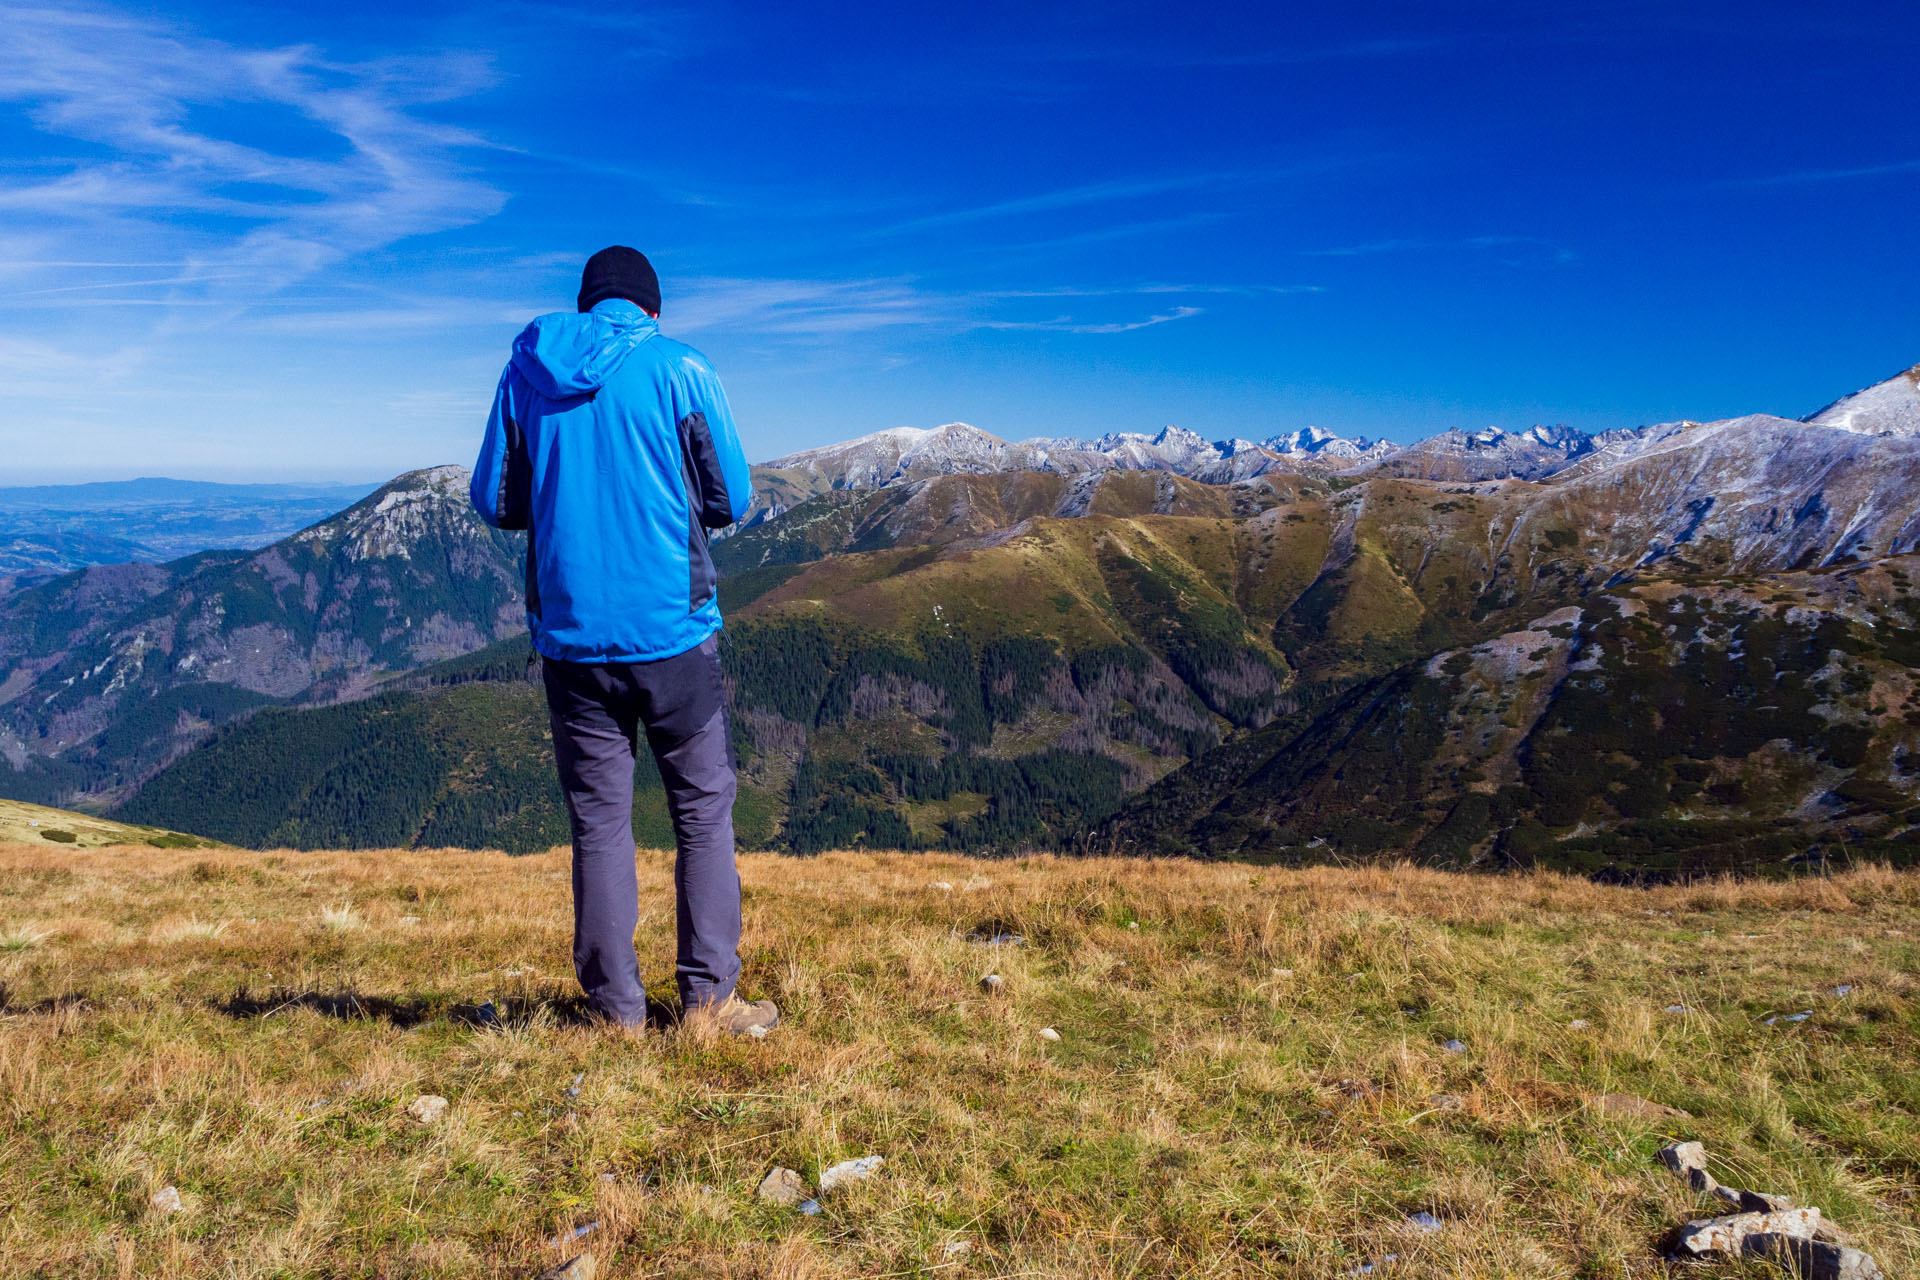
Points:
(613, 447)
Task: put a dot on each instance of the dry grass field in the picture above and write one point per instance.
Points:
(1252, 1075)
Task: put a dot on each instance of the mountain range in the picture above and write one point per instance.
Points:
(47, 530)
(1651, 651)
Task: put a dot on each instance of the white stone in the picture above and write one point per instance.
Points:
(850, 1171)
(427, 1108)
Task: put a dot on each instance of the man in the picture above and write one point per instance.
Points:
(613, 447)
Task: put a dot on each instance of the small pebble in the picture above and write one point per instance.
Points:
(579, 1232)
(941, 886)
(167, 1200)
(782, 1187)
(1048, 1033)
(993, 984)
(1844, 990)
(1579, 1024)
(1423, 1221)
(1455, 1046)
(427, 1108)
(809, 1207)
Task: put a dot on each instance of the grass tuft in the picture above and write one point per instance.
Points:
(340, 918)
(22, 938)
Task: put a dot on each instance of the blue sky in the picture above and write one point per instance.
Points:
(239, 242)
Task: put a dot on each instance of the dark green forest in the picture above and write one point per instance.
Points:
(459, 754)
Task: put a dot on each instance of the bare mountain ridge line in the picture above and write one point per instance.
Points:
(884, 457)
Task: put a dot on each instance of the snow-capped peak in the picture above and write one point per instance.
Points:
(1311, 442)
(1885, 408)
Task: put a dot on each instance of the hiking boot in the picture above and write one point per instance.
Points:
(733, 1016)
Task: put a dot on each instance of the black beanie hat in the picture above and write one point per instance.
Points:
(620, 272)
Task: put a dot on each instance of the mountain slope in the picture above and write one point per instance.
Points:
(1662, 727)
(33, 824)
(1886, 408)
(114, 669)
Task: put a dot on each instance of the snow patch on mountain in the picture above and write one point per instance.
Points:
(1885, 408)
(1318, 442)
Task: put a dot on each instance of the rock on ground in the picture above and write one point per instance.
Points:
(1765, 1202)
(580, 1268)
(167, 1200)
(850, 1171)
(782, 1187)
(1688, 1161)
(1727, 1235)
(427, 1108)
(1811, 1259)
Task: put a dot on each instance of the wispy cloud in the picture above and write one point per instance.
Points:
(828, 309)
(1066, 324)
(1094, 193)
(139, 89)
(804, 307)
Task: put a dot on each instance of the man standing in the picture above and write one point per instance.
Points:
(613, 447)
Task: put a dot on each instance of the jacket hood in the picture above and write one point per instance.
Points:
(569, 354)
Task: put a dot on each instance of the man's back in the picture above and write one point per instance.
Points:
(614, 447)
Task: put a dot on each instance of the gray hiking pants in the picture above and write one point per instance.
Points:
(597, 711)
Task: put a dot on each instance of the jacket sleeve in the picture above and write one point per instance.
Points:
(501, 490)
(719, 482)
